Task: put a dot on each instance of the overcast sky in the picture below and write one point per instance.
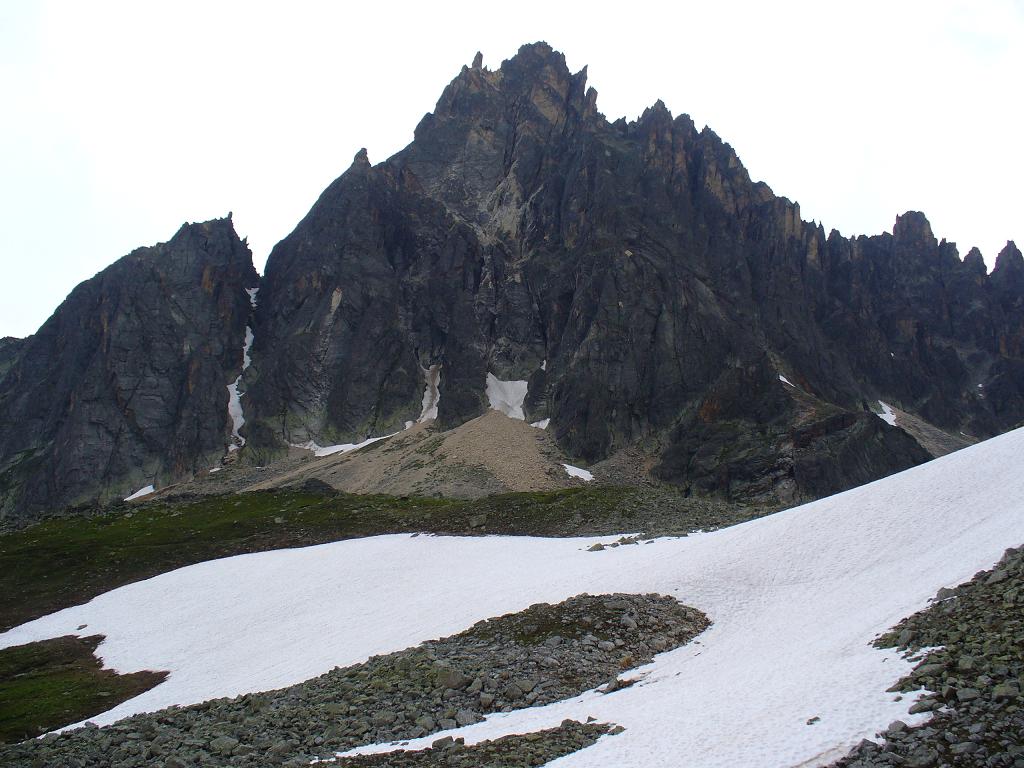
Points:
(123, 120)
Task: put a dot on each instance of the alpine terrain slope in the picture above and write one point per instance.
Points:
(624, 285)
(772, 663)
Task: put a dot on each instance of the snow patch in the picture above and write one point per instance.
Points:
(140, 493)
(506, 396)
(216, 469)
(544, 365)
(796, 599)
(246, 360)
(887, 414)
(431, 392)
(542, 424)
(784, 380)
(582, 474)
(235, 397)
(329, 450)
(252, 295)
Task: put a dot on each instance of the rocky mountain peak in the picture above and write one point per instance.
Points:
(913, 228)
(1008, 277)
(975, 263)
(656, 116)
(1009, 260)
(361, 158)
(534, 57)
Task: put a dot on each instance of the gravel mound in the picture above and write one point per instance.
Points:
(974, 678)
(489, 454)
(541, 655)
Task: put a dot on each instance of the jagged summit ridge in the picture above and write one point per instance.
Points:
(639, 260)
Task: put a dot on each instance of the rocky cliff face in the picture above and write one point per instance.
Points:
(647, 289)
(125, 385)
(657, 302)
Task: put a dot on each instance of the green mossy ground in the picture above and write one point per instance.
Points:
(52, 683)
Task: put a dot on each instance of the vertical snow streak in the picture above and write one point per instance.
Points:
(234, 396)
(431, 392)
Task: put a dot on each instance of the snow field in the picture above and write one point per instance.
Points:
(796, 599)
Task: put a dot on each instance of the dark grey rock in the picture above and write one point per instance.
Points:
(924, 705)
(452, 678)
(223, 744)
(466, 717)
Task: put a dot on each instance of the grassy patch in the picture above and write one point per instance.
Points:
(57, 682)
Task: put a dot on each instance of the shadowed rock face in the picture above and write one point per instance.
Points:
(126, 383)
(664, 288)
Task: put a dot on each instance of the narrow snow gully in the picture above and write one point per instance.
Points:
(234, 396)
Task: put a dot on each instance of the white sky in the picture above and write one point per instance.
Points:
(124, 120)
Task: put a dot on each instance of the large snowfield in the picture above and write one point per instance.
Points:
(796, 599)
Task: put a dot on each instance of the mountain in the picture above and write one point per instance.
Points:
(627, 281)
(125, 384)
(646, 289)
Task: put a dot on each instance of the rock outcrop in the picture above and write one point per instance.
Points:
(126, 384)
